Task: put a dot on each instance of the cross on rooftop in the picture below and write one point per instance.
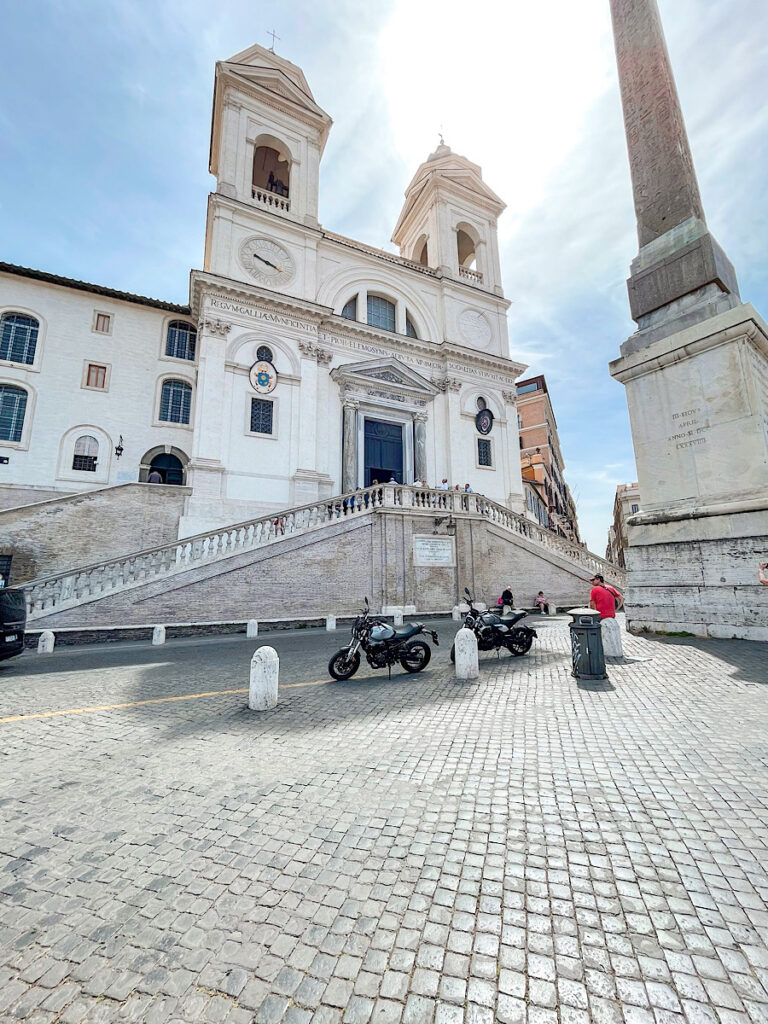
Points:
(274, 37)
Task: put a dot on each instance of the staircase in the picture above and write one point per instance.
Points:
(55, 593)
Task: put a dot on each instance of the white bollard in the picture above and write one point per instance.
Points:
(456, 613)
(398, 616)
(46, 642)
(265, 670)
(158, 636)
(330, 623)
(611, 631)
(467, 666)
(252, 629)
(463, 608)
(409, 609)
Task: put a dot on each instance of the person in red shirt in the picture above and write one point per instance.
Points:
(604, 598)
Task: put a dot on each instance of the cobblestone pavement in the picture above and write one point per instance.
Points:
(522, 849)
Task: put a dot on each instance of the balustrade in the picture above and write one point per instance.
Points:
(271, 199)
(53, 592)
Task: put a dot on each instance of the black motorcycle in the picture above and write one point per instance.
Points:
(384, 645)
(496, 631)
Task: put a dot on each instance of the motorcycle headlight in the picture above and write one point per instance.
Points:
(469, 621)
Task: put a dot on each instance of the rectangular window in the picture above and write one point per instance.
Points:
(85, 463)
(525, 389)
(635, 508)
(381, 313)
(102, 323)
(5, 568)
(96, 376)
(484, 456)
(261, 416)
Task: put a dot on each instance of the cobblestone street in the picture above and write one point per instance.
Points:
(520, 849)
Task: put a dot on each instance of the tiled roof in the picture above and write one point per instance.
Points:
(95, 289)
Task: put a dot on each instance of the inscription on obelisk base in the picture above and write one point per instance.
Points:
(694, 373)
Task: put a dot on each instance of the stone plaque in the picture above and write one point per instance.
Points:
(430, 551)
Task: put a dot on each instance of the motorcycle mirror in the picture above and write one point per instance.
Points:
(366, 601)
(466, 591)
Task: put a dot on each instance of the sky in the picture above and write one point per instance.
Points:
(104, 133)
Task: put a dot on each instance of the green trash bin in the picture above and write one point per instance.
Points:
(587, 652)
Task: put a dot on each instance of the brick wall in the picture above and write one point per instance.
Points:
(80, 529)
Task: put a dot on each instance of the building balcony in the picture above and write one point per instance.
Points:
(473, 276)
(272, 200)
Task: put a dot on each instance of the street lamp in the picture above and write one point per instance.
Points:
(119, 447)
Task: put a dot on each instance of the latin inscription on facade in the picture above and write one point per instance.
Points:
(433, 551)
(261, 315)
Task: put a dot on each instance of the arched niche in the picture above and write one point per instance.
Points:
(271, 166)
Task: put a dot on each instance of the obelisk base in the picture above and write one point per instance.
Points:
(698, 405)
(699, 574)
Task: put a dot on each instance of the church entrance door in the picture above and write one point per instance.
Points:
(383, 455)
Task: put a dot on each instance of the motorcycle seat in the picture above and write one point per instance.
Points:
(512, 618)
(405, 631)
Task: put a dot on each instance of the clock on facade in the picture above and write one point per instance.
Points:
(484, 421)
(267, 261)
(263, 377)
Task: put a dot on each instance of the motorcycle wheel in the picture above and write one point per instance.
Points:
(341, 666)
(453, 653)
(519, 642)
(415, 657)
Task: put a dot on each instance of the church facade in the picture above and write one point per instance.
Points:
(305, 365)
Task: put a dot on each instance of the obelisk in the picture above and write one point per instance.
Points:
(696, 375)
(681, 275)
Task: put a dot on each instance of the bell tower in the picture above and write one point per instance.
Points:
(449, 218)
(267, 138)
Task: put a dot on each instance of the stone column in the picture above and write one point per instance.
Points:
(420, 447)
(349, 457)
(206, 468)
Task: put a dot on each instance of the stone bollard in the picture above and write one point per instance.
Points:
(265, 670)
(330, 623)
(46, 641)
(252, 629)
(463, 608)
(467, 666)
(409, 609)
(456, 613)
(158, 636)
(398, 616)
(611, 631)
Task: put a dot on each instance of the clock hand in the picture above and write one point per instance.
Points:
(278, 269)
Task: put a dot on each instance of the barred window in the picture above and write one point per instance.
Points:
(350, 309)
(180, 340)
(261, 416)
(381, 313)
(175, 401)
(484, 456)
(86, 454)
(13, 405)
(264, 354)
(18, 337)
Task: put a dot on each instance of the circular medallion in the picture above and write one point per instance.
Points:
(267, 261)
(263, 377)
(484, 421)
(475, 328)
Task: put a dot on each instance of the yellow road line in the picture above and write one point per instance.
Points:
(141, 703)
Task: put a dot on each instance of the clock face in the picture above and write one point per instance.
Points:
(267, 261)
(474, 328)
(484, 421)
(263, 377)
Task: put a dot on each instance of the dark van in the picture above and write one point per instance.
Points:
(13, 622)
